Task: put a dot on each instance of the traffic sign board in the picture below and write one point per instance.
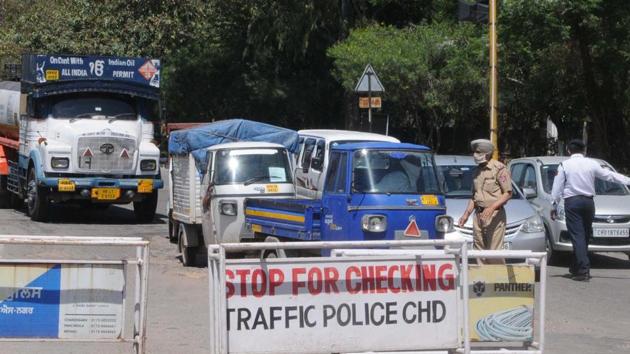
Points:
(369, 81)
(364, 102)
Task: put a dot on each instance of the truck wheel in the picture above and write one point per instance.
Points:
(188, 253)
(145, 209)
(5, 195)
(37, 199)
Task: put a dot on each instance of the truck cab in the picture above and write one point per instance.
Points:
(86, 133)
(372, 191)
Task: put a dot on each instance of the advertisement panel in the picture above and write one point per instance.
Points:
(79, 301)
(328, 305)
(501, 302)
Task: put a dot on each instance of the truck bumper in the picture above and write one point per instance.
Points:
(94, 182)
(122, 191)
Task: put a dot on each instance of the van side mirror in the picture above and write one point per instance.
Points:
(530, 193)
(317, 163)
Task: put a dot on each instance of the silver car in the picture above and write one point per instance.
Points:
(524, 229)
(611, 227)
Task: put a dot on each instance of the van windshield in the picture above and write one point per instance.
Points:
(549, 172)
(394, 172)
(247, 166)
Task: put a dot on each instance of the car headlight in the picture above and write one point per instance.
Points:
(148, 165)
(374, 223)
(60, 163)
(533, 224)
(228, 208)
(444, 224)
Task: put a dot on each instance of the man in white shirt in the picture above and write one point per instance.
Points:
(575, 183)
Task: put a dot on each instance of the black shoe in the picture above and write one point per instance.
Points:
(582, 277)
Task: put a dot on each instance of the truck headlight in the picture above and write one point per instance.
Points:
(228, 208)
(148, 165)
(533, 224)
(374, 223)
(59, 163)
(444, 224)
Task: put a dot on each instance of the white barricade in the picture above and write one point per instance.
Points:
(81, 300)
(503, 299)
(336, 304)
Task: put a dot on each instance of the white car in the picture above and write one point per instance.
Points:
(611, 227)
(524, 229)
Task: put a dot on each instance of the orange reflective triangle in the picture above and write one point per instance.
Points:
(87, 153)
(412, 229)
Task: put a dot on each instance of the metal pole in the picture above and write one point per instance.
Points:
(370, 101)
(494, 112)
(387, 126)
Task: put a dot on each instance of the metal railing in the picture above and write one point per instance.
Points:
(140, 264)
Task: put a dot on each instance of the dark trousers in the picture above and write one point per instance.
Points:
(580, 212)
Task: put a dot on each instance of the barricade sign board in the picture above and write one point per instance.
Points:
(339, 304)
(78, 301)
(501, 302)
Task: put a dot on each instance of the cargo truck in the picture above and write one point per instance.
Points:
(81, 129)
(213, 168)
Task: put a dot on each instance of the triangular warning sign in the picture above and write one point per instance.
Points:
(412, 229)
(124, 154)
(87, 153)
(369, 81)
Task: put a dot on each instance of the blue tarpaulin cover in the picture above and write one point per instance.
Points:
(197, 140)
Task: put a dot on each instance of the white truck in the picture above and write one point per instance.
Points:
(80, 129)
(207, 196)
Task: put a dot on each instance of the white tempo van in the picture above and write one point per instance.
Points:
(312, 158)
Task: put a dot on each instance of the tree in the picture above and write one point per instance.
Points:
(433, 73)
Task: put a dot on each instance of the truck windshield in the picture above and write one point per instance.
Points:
(247, 166)
(91, 107)
(394, 172)
(458, 181)
(549, 172)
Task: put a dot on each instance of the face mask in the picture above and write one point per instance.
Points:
(480, 158)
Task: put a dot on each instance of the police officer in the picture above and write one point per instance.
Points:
(575, 183)
(492, 188)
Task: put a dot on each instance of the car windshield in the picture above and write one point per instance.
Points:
(601, 187)
(91, 107)
(457, 181)
(248, 166)
(394, 172)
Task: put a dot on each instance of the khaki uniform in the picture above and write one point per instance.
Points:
(490, 181)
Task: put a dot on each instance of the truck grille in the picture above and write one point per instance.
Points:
(106, 154)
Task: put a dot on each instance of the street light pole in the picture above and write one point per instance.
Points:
(494, 109)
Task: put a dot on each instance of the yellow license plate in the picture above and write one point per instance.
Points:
(105, 193)
(429, 200)
(145, 186)
(66, 185)
(272, 188)
(256, 228)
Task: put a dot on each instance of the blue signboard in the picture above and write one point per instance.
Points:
(46, 69)
(61, 301)
(33, 310)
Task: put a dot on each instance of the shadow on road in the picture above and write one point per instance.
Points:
(112, 215)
